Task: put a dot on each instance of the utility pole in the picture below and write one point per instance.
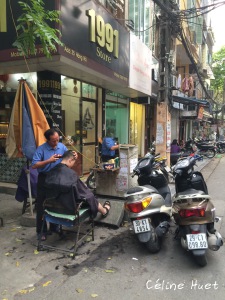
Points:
(165, 47)
(163, 118)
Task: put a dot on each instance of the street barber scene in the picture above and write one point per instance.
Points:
(112, 149)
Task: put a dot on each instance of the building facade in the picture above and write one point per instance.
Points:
(100, 78)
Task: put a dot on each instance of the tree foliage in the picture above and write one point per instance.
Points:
(219, 73)
(33, 28)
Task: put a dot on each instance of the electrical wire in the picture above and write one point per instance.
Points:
(177, 19)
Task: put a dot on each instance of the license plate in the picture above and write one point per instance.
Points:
(141, 225)
(197, 241)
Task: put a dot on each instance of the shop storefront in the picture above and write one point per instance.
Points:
(73, 86)
(192, 118)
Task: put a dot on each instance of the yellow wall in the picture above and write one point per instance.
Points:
(137, 126)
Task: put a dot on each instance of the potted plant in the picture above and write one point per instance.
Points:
(75, 138)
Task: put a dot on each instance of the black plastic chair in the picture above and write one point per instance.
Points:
(70, 223)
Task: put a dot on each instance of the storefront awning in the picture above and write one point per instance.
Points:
(190, 100)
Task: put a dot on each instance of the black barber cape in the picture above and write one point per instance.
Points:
(65, 189)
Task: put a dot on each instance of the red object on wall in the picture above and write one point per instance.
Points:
(4, 78)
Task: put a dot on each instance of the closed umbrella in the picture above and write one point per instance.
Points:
(26, 128)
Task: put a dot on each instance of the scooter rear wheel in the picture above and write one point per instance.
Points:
(154, 244)
(201, 260)
(221, 150)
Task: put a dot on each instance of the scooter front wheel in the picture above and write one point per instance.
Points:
(154, 244)
(91, 183)
(210, 153)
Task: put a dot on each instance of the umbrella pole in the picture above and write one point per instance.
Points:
(29, 188)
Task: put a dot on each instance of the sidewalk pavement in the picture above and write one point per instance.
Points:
(22, 266)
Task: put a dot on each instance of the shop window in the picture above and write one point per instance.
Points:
(89, 91)
(115, 7)
(70, 106)
(117, 120)
(139, 12)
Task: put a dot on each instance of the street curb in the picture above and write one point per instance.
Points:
(8, 190)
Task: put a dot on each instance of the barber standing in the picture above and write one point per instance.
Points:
(46, 157)
(109, 146)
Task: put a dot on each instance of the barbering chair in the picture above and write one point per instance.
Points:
(80, 225)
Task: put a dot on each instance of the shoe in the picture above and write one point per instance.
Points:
(107, 209)
(42, 237)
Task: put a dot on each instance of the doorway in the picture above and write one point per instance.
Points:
(88, 133)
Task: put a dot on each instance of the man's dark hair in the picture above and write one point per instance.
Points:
(49, 133)
(67, 155)
(109, 132)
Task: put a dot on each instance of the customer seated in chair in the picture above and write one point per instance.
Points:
(68, 188)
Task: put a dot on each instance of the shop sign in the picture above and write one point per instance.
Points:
(140, 77)
(49, 97)
(188, 113)
(200, 112)
(91, 35)
(104, 35)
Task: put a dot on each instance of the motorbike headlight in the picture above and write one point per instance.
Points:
(182, 163)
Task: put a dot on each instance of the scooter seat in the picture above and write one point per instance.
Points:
(190, 192)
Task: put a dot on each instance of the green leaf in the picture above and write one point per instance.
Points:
(33, 27)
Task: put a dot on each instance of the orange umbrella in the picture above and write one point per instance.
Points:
(27, 124)
(26, 127)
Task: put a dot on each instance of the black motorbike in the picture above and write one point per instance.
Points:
(206, 148)
(200, 147)
(220, 146)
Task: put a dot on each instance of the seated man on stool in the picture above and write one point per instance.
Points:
(67, 187)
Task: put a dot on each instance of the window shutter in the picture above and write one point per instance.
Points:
(199, 30)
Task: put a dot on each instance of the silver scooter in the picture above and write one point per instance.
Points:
(149, 204)
(194, 212)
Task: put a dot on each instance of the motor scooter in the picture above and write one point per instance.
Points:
(193, 211)
(220, 146)
(206, 148)
(200, 147)
(149, 204)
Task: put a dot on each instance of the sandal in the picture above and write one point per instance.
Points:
(107, 209)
